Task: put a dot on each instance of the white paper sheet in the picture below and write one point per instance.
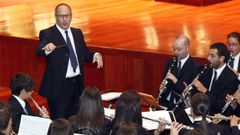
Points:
(33, 125)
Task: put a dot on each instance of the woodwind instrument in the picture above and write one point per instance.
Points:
(185, 97)
(164, 81)
(168, 123)
(220, 116)
(186, 91)
(227, 104)
(42, 113)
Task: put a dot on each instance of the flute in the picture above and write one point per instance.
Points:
(220, 116)
(168, 123)
(162, 89)
(42, 113)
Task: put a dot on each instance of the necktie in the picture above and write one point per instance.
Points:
(214, 79)
(72, 55)
(179, 67)
(231, 62)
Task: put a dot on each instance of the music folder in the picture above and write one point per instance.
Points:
(149, 100)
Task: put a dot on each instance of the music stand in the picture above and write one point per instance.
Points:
(150, 101)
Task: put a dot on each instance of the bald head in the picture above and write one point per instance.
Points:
(181, 46)
(183, 40)
(63, 15)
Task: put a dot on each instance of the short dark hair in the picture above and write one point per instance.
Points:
(21, 81)
(234, 35)
(221, 49)
(62, 4)
(5, 115)
(60, 127)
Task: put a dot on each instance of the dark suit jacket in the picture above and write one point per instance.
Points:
(57, 61)
(187, 74)
(227, 83)
(17, 111)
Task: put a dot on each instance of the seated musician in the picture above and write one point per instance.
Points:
(5, 119)
(178, 73)
(90, 117)
(22, 86)
(200, 105)
(60, 127)
(128, 109)
(218, 80)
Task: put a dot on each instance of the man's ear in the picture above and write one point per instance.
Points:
(222, 58)
(23, 91)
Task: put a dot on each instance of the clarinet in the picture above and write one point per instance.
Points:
(185, 93)
(163, 89)
(227, 104)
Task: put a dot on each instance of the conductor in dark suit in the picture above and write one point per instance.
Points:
(218, 80)
(183, 70)
(65, 51)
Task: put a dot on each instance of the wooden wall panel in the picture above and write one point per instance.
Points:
(123, 69)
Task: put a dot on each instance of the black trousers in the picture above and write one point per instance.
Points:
(66, 105)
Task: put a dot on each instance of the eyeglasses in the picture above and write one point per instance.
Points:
(232, 44)
(64, 16)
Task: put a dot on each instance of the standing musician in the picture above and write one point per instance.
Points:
(233, 42)
(183, 71)
(218, 80)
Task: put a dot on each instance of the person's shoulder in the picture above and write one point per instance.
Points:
(51, 28)
(11, 99)
(76, 30)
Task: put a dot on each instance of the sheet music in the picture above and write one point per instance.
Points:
(32, 125)
(155, 115)
(110, 96)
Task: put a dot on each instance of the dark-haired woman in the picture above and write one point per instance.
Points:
(128, 110)
(90, 118)
(200, 104)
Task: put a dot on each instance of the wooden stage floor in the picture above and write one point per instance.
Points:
(139, 25)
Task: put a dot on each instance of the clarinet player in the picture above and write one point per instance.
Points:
(183, 70)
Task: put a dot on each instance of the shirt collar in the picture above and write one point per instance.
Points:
(184, 60)
(237, 56)
(62, 30)
(219, 70)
